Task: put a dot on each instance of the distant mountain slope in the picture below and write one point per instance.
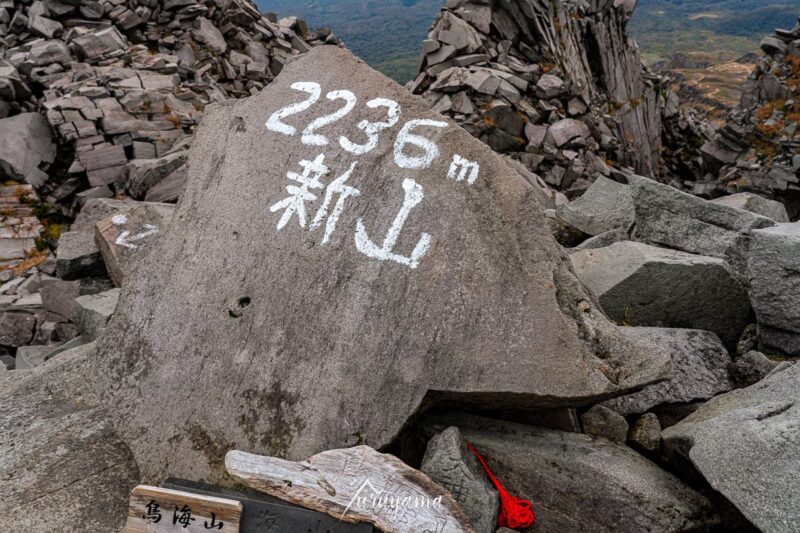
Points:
(721, 28)
(387, 33)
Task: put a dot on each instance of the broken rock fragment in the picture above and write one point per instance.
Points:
(26, 148)
(452, 465)
(774, 269)
(668, 217)
(700, 365)
(745, 444)
(605, 206)
(641, 285)
(581, 483)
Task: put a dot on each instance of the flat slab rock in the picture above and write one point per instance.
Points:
(247, 325)
(580, 483)
(605, 206)
(62, 467)
(700, 363)
(642, 285)
(745, 443)
(668, 217)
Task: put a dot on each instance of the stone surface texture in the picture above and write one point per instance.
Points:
(745, 444)
(249, 327)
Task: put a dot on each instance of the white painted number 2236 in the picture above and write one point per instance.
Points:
(372, 130)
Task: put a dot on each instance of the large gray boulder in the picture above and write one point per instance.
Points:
(605, 206)
(775, 283)
(62, 467)
(700, 364)
(745, 443)
(452, 465)
(641, 285)
(581, 483)
(668, 217)
(26, 146)
(291, 341)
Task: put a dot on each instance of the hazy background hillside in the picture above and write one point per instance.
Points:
(387, 33)
(724, 28)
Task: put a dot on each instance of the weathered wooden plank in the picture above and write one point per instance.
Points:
(157, 510)
(355, 485)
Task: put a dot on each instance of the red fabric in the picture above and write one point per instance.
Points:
(515, 513)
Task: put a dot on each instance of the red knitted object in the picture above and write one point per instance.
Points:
(515, 513)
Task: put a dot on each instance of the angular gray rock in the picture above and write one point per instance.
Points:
(17, 327)
(210, 35)
(144, 174)
(78, 256)
(452, 465)
(100, 42)
(641, 285)
(28, 357)
(773, 45)
(605, 206)
(750, 368)
(580, 483)
(645, 434)
(255, 302)
(59, 297)
(604, 239)
(567, 132)
(700, 364)
(62, 467)
(755, 204)
(169, 189)
(745, 444)
(26, 145)
(549, 86)
(774, 269)
(601, 421)
(93, 312)
(668, 217)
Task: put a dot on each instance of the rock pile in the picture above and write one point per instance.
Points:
(758, 149)
(100, 100)
(643, 245)
(557, 85)
(123, 85)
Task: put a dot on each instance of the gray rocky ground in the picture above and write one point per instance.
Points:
(614, 290)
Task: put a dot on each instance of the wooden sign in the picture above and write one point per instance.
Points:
(265, 514)
(355, 484)
(157, 510)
